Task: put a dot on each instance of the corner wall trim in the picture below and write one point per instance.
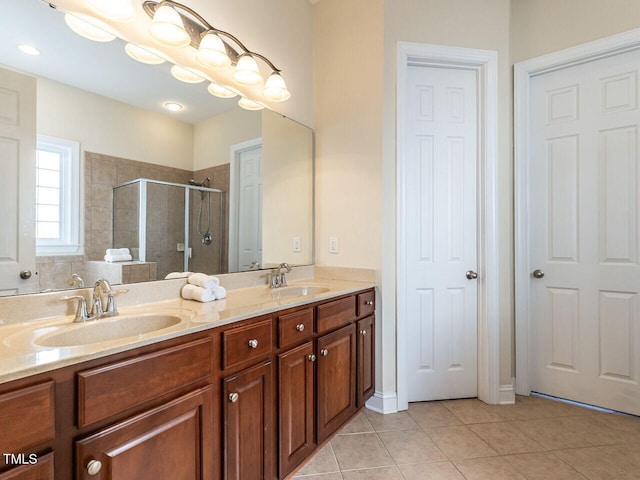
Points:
(507, 394)
(383, 402)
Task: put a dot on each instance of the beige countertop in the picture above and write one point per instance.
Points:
(22, 356)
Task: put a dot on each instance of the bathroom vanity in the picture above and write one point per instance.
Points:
(243, 395)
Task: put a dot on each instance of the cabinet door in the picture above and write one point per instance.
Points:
(296, 406)
(336, 381)
(173, 441)
(42, 470)
(366, 360)
(247, 413)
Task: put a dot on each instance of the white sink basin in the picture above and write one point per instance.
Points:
(298, 291)
(106, 329)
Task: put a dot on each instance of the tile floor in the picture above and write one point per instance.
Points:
(537, 438)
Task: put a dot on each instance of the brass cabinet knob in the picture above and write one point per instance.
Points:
(363, 332)
(300, 327)
(233, 397)
(253, 343)
(369, 302)
(312, 358)
(324, 352)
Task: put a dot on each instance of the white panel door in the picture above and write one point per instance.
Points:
(441, 243)
(250, 209)
(17, 181)
(585, 333)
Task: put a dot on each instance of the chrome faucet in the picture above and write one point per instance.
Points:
(277, 277)
(101, 287)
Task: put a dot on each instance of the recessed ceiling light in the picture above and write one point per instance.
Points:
(173, 107)
(29, 49)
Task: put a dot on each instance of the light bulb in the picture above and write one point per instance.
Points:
(167, 27)
(247, 104)
(143, 55)
(89, 27)
(117, 10)
(212, 52)
(247, 72)
(276, 89)
(220, 91)
(185, 75)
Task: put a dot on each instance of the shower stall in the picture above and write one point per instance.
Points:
(179, 227)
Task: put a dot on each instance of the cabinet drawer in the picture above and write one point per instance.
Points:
(295, 327)
(243, 344)
(27, 417)
(335, 314)
(366, 303)
(43, 470)
(108, 390)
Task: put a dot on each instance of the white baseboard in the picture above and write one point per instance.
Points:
(383, 402)
(507, 394)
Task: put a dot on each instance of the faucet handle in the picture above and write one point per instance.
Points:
(112, 310)
(81, 312)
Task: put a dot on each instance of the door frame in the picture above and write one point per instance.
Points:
(234, 199)
(523, 73)
(485, 63)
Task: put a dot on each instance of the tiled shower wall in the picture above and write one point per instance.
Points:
(101, 174)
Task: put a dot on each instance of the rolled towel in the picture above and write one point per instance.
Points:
(220, 292)
(203, 280)
(178, 275)
(117, 251)
(118, 258)
(193, 292)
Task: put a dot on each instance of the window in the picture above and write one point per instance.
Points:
(57, 196)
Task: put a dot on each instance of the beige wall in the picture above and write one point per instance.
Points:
(544, 26)
(112, 128)
(214, 137)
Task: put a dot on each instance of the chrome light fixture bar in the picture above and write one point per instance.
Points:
(177, 25)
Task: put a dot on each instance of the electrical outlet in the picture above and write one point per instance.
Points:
(296, 245)
(180, 247)
(333, 244)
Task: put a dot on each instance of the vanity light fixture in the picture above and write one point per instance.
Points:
(215, 48)
(220, 91)
(89, 27)
(167, 27)
(117, 10)
(143, 55)
(185, 75)
(173, 106)
(247, 104)
(28, 49)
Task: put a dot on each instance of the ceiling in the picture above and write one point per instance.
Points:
(101, 68)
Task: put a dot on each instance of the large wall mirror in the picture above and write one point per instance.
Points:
(211, 188)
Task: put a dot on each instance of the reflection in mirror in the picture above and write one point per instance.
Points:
(257, 206)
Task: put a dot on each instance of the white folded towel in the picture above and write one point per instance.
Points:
(203, 280)
(220, 292)
(118, 258)
(193, 292)
(117, 251)
(178, 275)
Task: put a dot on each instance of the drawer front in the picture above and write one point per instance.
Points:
(295, 327)
(244, 344)
(336, 314)
(27, 417)
(108, 390)
(366, 303)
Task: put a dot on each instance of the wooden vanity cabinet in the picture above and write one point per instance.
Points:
(336, 380)
(168, 442)
(42, 470)
(366, 354)
(247, 417)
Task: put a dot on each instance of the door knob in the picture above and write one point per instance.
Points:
(471, 275)
(538, 273)
(25, 274)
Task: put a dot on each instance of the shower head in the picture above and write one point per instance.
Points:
(200, 184)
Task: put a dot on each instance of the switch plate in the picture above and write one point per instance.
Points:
(333, 244)
(296, 245)
(180, 247)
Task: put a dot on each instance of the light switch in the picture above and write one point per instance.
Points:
(296, 245)
(333, 244)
